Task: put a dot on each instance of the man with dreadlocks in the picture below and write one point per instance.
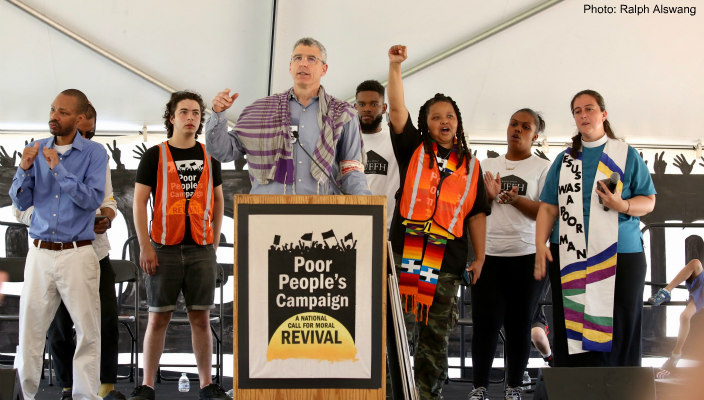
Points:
(442, 197)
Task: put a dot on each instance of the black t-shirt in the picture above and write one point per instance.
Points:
(189, 163)
(455, 256)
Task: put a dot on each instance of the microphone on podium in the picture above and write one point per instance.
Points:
(294, 132)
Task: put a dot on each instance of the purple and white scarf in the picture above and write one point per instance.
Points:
(264, 129)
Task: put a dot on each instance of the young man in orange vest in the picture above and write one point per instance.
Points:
(178, 252)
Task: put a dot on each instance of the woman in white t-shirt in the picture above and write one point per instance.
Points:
(506, 293)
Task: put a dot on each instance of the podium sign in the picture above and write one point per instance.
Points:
(309, 296)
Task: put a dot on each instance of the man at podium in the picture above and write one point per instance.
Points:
(301, 141)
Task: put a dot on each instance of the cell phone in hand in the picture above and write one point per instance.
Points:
(467, 277)
(100, 218)
(610, 184)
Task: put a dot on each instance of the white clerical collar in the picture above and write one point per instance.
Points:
(597, 142)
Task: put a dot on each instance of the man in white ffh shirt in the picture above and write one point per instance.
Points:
(381, 169)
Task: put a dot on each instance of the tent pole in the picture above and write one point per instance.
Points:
(80, 39)
(275, 9)
(473, 40)
(85, 42)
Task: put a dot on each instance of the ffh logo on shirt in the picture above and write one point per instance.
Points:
(376, 164)
(508, 182)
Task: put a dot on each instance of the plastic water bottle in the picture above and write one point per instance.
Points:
(526, 378)
(184, 384)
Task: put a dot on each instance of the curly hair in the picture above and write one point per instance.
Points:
(371, 86)
(464, 154)
(171, 110)
(577, 139)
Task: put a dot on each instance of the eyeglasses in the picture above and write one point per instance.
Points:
(298, 59)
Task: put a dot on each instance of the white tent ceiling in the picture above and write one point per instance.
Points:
(646, 66)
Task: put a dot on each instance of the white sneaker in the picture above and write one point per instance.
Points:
(512, 393)
(479, 393)
(671, 362)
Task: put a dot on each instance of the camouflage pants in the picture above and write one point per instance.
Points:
(429, 342)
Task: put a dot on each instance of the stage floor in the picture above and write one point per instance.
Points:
(164, 390)
(451, 391)
(169, 390)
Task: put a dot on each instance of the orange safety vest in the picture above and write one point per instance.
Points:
(420, 200)
(169, 217)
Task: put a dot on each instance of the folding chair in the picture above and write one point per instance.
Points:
(14, 266)
(465, 322)
(127, 271)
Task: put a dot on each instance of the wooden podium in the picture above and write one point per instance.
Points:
(310, 297)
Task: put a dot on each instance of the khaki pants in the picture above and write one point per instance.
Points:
(50, 276)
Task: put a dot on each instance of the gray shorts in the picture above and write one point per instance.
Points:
(188, 268)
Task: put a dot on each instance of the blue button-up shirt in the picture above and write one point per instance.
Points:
(65, 198)
(225, 146)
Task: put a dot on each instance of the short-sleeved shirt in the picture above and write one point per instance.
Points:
(636, 182)
(381, 169)
(189, 163)
(509, 232)
(455, 257)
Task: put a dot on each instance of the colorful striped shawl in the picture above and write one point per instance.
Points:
(264, 129)
(588, 272)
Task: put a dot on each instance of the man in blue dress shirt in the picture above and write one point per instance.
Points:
(276, 131)
(63, 177)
